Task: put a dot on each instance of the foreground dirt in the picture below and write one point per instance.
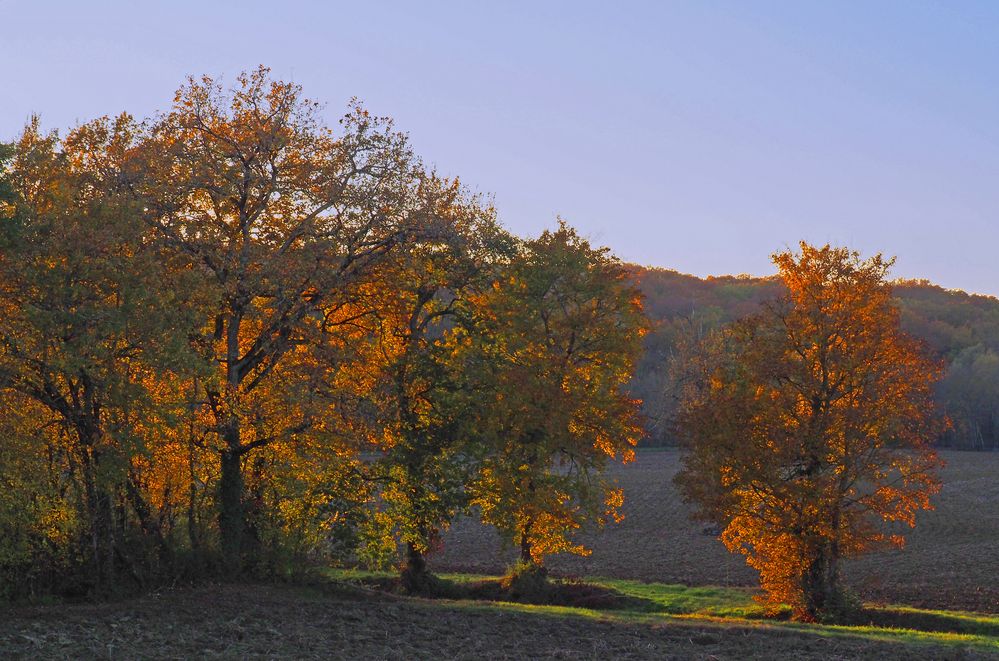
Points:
(264, 622)
(951, 560)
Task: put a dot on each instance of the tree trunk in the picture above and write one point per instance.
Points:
(525, 544)
(415, 577)
(815, 589)
(104, 541)
(98, 504)
(149, 521)
(525, 534)
(192, 494)
(231, 516)
(820, 585)
(192, 522)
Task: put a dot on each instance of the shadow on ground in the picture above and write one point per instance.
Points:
(904, 618)
(561, 592)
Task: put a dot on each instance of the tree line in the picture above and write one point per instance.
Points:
(236, 341)
(233, 337)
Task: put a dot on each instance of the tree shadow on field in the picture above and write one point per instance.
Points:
(931, 621)
(569, 593)
(562, 592)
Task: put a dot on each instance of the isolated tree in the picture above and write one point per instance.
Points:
(810, 426)
(564, 328)
(283, 217)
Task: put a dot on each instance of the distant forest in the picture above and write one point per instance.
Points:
(960, 329)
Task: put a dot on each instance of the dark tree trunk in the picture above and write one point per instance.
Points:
(192, 494)
(822, 596)
(415, 577)
(525, 545)
(104, 541)
(99, 511)
(815, 589)
(192, 491)
(530, 578)
(231, 516)
(192, 521)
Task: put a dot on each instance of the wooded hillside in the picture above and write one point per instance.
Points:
(960, 329)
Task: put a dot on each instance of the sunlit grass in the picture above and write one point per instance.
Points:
(726, 607)
(686, 600)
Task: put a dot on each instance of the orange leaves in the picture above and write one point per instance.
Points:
(811, 424)
(223, 306)
(614, 500)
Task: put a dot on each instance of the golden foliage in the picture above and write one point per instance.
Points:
(810, 427)
(564, 332)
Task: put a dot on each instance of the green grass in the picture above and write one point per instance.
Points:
(684, 600)
(649, 603)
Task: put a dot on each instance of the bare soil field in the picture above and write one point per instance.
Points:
(271, 622)
(950, 561)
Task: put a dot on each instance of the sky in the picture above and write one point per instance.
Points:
(696, 136)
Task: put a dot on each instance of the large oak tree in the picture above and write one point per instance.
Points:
(283, 215)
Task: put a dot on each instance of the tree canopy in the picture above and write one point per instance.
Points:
(810, 425)
(566, 329)
(234, 338)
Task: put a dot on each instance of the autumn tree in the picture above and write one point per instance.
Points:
(421, 325)
(564, 329)
(283, 215)
(809, 428)
(84, 326)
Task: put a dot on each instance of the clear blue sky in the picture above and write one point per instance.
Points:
(699, 136)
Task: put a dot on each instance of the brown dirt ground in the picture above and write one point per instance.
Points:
(265, 622)
(951, 559)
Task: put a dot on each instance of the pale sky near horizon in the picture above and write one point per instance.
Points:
(697, 136)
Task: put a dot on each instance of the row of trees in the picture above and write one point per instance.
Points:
(231, 333)
(231, 336)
